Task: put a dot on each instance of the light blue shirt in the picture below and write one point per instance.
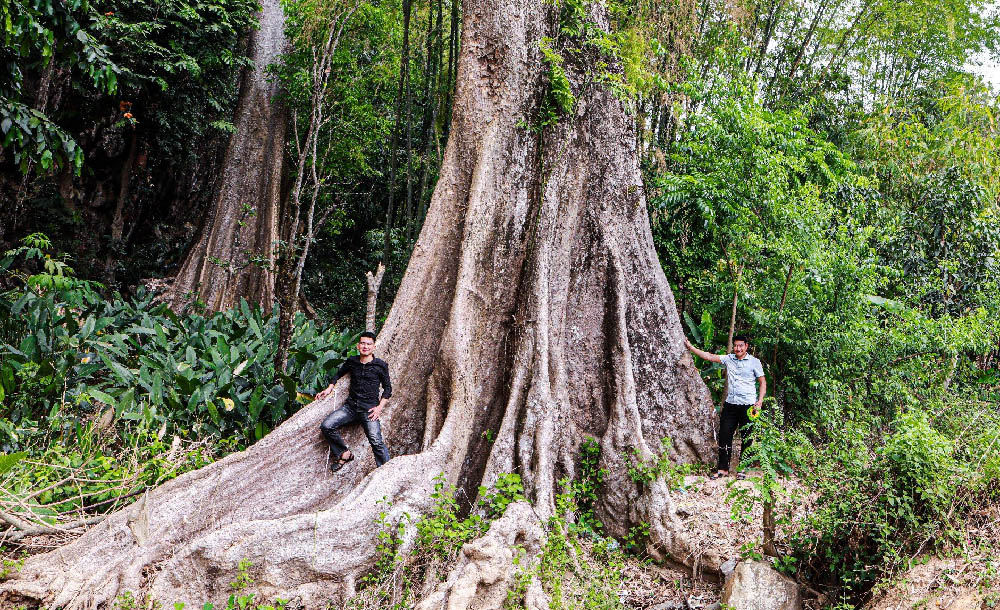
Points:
(742, 374)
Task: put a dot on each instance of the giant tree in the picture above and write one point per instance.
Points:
(234, 256)
(533, 307)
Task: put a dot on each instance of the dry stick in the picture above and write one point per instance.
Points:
(108, 501)
(41, 491)
(374, 282)
(26, 529)
(778, 60)
(772, 20)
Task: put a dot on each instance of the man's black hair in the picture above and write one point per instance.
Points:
(742, 338)
(368, 334)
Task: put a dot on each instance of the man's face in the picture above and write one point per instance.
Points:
(740, 349)
(366, 346)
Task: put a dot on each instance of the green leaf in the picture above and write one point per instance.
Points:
(125, 401)
(120, 371)
(213, 412)
(887, 304)
(157, 394)
(29, 347)
(240, 367)
(256, 402)
(8, 461)
(7, 377)
(103, 397)
(693, 328)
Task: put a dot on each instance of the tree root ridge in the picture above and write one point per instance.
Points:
(488, 566)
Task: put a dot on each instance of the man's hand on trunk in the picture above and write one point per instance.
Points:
(325, 393)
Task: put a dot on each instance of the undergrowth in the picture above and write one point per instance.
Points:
(104, 398)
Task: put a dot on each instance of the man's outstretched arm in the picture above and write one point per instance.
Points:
(702, 353)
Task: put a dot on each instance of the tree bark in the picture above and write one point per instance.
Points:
(533, 306)
(234, 256)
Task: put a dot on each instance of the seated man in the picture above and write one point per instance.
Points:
(363, 403)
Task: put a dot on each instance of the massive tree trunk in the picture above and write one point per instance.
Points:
(534, 307)
(234, 255)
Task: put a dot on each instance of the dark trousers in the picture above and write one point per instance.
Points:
(349, 414)
(734, 418)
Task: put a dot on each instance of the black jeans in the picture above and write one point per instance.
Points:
(734, 418)
(349, 414)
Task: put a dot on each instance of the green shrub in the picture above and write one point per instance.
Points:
(77, 355)
(920, 461)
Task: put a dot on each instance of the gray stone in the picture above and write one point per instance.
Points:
(728, 567)
(755, 585)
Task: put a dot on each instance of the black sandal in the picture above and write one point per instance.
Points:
(340, 463)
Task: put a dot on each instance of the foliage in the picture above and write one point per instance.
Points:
(505, 490)
(96, 470)
(177, 78)
(76, 355)
(587, 485)
(867, 287)
(434, 541)
(442, 532)
(845, 52)
(41, 34)
(660, 467)
(570, 580)
(559, 98)
(240, 599)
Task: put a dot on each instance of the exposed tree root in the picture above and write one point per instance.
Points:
(487, 567)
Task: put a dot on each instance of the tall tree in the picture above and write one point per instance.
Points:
(234, 257)
(533, 306)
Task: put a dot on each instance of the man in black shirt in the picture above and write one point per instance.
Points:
(363, 403)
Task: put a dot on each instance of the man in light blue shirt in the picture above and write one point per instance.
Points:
(743, 400)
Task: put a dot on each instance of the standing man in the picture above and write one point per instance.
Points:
(363, 403)
(742, 401)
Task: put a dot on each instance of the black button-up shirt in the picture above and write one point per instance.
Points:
(365, 380)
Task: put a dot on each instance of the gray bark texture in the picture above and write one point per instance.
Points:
(245, 219)
(533, 307)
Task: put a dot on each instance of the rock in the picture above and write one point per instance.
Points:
(755, 585)
(939, 583)
(727, 567)
(668, 606)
